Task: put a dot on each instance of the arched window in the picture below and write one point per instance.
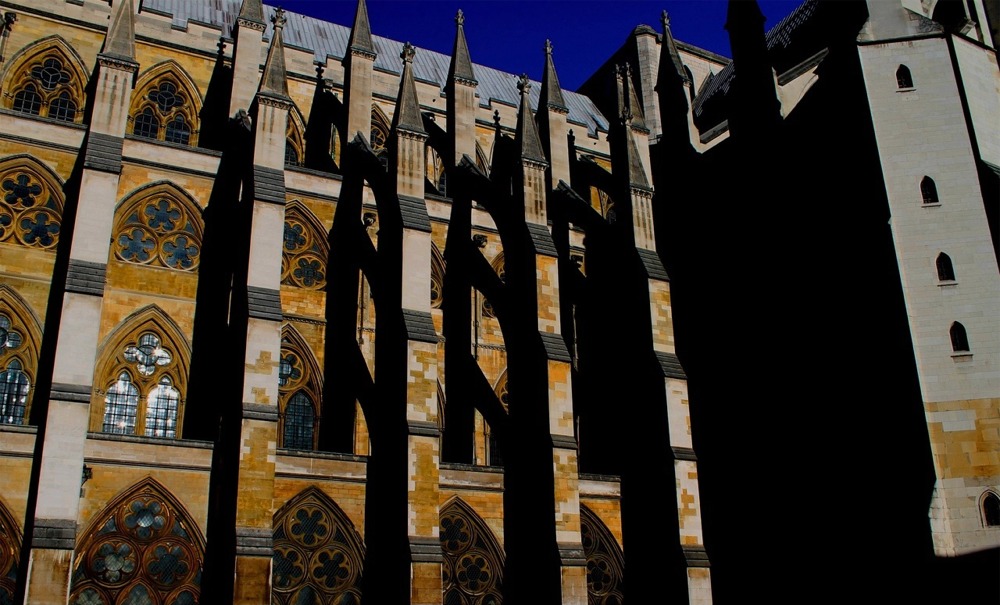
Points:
(903, 77)
(304, 250)
(472, 570)
(437, 278)
(482, 162)
(142, 549)
(380, 136)
(945, 270)
(10, 552)
(20, 339)
(141, 376)
(294, 148)
(165, 106)
(159, 225)
(605, 562)
(959, 338)
(928, 191)
(991, 509)
(318, 554)
(47, 84)
(14, 388)
(299, 393)
(31, 206)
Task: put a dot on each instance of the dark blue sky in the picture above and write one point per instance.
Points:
(510, 34)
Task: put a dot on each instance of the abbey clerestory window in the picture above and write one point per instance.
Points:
(928, 191)
(14, 383)
(945, 269)
(298, 395)
(991, 509)
(959, 338)
(165, 111)
(48, 88)
(143, 399)
(903, 77)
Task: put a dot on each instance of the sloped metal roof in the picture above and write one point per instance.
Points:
(327, 39)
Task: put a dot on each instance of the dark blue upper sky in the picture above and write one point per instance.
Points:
(510, 34)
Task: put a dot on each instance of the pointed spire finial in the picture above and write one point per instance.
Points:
(361, 34)
(551, 93)
(548, 47)
(120, 41)
(273, 82)
(526, 134)
(461, 64)
(496, 117)
(460, 18)
(523, 84)
(408, 53)
(666, 19)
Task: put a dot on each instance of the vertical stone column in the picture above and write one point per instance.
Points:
(461, 91)
(420, 373)
(262, 344)
(63, 432)
(248, 36)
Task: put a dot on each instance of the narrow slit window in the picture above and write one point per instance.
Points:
(945, 269)
(959, 338)
(928, 191)
(903, 77)
(991, 510)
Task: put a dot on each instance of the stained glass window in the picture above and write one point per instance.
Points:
(63, 108)
(305, 249)
(178, 131)
(160, 227)
(31, 207)
(47, 88)
(164, 110)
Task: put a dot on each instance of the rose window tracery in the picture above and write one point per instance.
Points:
(159, 231)
(30, 214)
(304, 252)
(318, 555)
(144, 550)
(472, 572)
(605, 563)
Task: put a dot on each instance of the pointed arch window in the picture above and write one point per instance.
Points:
(498, 266)
(294, 149)
(472, 570)
(437, 278)
(30, 210)
(304, 250)
(144, 398)
(605, 562)
(945, 269)
(903, 77)
(379, 138)
(991, 509)
(318, 554)
(142, 549)
(928, 191)
(20, 335)
(959, 338)
(14, 388)
(165, 109)
(47, 86)
(494, 451)
(160, 227)
(299, 394)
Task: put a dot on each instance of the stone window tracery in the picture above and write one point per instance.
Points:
(304, 251)
(143, 549)
(47, 86)
(299, 394)
(472, 571)
(18, 357)
(294, 148)
(318, 555)
(31, 211)
(494, 452)
(159, 227)
(141, 378)
(498, 266)
(437, 278)
(10, 551)
(605, 563)
(379, 139)
(164, 108)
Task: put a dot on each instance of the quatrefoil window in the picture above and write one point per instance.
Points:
(148, 354)
(29, 213)
(159, 231)
(303, 258)
(288, 370)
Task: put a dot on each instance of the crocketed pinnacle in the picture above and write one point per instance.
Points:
(461, 64)
(274, 81)
(407, 115)
(628, 101)
(252, 10)
(120, 41)
(361, 33)
(670, 59)
(551, 93)
(526, 134)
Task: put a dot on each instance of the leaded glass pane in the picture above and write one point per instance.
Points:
(291, 156)
(120, 406)
(13, 394)
(146, 124)
(63, 108)
(178, 131)
(28, 101)
(161, 410)
(299, 421)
